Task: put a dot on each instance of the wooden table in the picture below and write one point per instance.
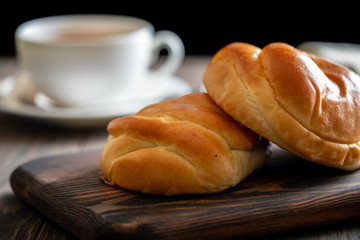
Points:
(24, 139)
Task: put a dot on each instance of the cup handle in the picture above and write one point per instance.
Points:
(175, 52)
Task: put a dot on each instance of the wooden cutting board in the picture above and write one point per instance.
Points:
(288, 193)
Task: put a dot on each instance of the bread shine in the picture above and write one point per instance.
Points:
(180, 146)
(301, 102)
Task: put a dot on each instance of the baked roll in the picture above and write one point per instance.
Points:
(301, 102)
(181, 146)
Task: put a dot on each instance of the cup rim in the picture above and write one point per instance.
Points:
(22, 35)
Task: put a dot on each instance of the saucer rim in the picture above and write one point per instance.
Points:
(84, 118)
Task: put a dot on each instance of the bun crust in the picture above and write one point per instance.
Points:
(180, 146)
(301, 102)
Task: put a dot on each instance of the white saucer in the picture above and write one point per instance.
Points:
(30, 103)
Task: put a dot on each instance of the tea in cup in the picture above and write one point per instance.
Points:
(86, 60)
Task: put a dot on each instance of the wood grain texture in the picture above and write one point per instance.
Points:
(287, 194)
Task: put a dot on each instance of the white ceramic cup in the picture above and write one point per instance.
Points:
(85, 60)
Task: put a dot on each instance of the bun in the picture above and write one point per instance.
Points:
(301, 102)
(181, 146)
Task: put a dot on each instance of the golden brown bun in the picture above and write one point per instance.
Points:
(301, 102)
(180, 146)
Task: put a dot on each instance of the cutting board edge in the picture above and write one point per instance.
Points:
(102, 227)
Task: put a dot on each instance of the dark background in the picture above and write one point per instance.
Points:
(205, 27)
